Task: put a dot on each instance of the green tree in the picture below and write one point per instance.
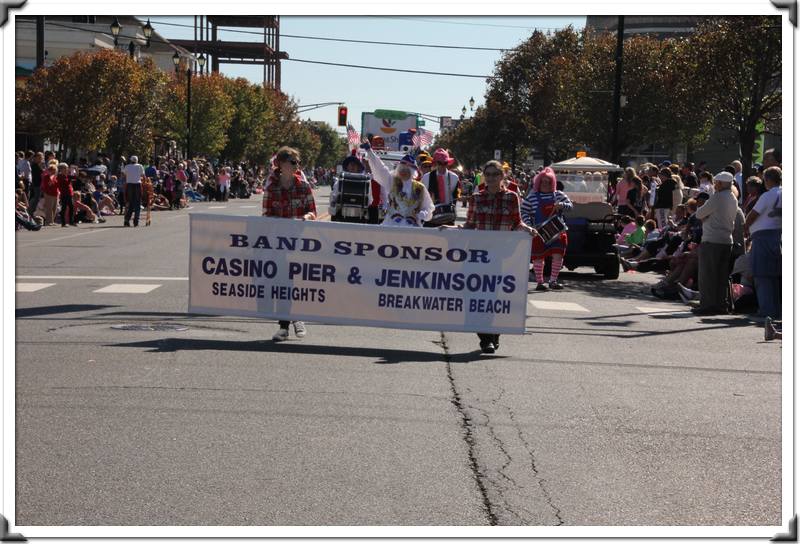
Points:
(740, 57)
(253, 118)
(333, 147)
(212, 112)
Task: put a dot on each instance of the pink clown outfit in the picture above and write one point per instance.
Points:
(537, 208)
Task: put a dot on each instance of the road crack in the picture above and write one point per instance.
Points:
(468, 435)
(539, 479)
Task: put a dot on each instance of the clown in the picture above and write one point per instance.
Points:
(443, 186)
(539, 205)
(407, 200)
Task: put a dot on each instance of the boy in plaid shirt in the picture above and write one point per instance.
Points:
(287, 195)
(494, 208)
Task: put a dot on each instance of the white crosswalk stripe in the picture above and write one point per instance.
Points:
(129, 288)
(560, 306)
(248, 207)
(32, 287)
(663, 309)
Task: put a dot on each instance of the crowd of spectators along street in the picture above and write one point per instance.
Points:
(50, 192)
(716, 237)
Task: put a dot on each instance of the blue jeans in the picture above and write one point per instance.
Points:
(766, 262)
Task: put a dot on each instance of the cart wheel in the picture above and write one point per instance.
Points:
(610, 268)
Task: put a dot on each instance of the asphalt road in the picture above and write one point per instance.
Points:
(612, 409)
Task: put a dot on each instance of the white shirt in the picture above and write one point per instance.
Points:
(133, 173)
(24, 169)
(383, 176)
(763, 207)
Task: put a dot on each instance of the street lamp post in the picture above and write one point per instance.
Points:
(201, 61)
(115, 29)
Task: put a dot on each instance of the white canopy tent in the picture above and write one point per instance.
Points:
(585, 179)
(585, 164)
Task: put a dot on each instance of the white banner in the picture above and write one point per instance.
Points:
(350, 274)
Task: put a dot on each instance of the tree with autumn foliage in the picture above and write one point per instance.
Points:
(74, 101)
(136, 117)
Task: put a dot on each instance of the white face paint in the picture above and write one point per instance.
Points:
(403, 171)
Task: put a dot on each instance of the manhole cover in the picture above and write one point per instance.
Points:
(149, 327)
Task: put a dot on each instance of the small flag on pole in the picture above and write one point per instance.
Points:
(353, 137)
(422, 138)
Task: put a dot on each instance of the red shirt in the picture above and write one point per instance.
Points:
(294, 202)
(499, 211)
(64, 185)
(49, 184)
(376, 195)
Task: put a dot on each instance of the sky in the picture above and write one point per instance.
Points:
(368, 90)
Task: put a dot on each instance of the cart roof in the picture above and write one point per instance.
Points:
(586, 164)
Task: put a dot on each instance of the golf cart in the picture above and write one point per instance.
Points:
(592, 223)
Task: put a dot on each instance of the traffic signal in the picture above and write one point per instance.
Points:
(342, 116)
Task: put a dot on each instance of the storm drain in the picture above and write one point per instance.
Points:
(149, 327)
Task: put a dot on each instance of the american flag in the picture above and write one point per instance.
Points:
(353, 137)
(422, 138)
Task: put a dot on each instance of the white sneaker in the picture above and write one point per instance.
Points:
(281, 335)
(299, 329)
(688, 293)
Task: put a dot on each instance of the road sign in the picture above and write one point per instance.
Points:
(497, 154)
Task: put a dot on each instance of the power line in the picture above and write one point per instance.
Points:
(389, 69)
(472, 48)
(470, 24)
(154, 40)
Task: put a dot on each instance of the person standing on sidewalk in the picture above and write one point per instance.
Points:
(37, 169)
(133, 191)
(664, 203)
(287, 195)
(719, 217)
(65, 192)
(764, 222)
(494, 208)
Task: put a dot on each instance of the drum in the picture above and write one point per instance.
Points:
(552, 228)
(443, 214)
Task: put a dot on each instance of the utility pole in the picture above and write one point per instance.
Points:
(615, 151)
(188, 114)
(39, 41)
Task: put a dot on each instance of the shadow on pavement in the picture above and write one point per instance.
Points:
(716, 323)
(381, 355)
(22, 313)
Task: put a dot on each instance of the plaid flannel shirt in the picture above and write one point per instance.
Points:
(291, 203)
(499, 211)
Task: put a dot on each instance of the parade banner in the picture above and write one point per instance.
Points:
(352, 274)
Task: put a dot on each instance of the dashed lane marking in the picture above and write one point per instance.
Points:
(562, 306)
(217, 207)
(32, 287)
(243, 207)
(130, 288)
